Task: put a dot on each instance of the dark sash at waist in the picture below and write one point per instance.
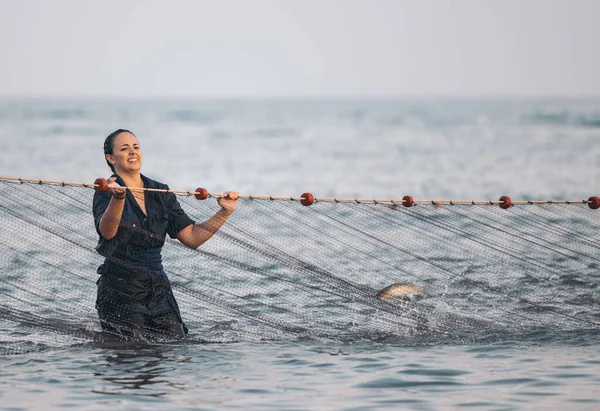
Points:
(146, 260)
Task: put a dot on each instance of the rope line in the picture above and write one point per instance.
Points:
(394, 202)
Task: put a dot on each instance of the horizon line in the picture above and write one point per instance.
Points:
(299, 97)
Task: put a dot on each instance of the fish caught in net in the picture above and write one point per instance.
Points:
(334, 270)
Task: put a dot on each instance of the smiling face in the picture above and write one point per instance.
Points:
(126, 157)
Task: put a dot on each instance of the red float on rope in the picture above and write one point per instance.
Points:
(505, 202)
(307, 199)
(101, 185)
(201, 193)
(594, 202)
(407, 201)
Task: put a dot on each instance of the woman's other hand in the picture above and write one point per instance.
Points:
(228, 202)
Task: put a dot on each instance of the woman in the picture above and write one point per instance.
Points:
(134, 294)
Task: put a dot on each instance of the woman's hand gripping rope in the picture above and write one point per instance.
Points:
(228, 202)
(116, 190)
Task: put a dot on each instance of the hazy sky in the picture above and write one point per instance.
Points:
(290, 48)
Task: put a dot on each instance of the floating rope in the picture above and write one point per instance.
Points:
(307, 199)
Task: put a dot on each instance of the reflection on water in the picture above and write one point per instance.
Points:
(160, 372)
(133, 370)
(141, 370)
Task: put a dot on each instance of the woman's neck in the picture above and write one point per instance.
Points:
(131, 179)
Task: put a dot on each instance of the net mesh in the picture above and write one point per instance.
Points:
(278, 270)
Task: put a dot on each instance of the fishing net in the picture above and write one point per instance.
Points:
(278, 270)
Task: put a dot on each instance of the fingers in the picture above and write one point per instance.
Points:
(112, 183)
(115, 187)
(228, 201)
(232, 195)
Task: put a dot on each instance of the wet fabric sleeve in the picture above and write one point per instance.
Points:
(177, 218)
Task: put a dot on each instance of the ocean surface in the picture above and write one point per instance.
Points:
(461, 150)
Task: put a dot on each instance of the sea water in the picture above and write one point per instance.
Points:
(360, 149)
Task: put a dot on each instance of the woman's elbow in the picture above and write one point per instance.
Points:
(188, 238)
(107, 236)
(190, 243)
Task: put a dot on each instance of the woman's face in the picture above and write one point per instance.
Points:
(127, 154)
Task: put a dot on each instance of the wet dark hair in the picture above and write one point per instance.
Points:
(110, 141)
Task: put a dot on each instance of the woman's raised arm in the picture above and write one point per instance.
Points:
(109, 223)
(195, 235)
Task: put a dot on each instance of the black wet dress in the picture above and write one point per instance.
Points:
(135, 299)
